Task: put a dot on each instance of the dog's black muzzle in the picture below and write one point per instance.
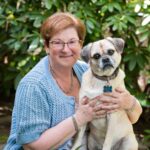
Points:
(107, 64)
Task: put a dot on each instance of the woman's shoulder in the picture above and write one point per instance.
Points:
(81, 65)
(37, 74)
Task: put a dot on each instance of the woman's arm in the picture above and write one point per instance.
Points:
(130, 104)
(134, 111)
(52, 138)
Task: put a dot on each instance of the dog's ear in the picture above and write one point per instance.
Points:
(118, 43)
(86, 52)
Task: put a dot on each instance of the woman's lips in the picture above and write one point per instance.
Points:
(66, 56)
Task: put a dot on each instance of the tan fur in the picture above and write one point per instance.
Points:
(113, 131)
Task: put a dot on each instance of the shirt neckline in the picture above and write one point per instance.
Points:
(56, 86)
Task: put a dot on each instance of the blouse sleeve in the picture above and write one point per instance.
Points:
(33, 115)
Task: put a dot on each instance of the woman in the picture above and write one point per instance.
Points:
(44, 115)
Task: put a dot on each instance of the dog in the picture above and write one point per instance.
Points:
(113, 131)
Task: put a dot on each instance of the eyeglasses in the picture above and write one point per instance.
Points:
(59, 44)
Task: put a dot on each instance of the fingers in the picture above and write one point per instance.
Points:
(112, 111)
(107, 99)
(110, 107)
(85, 101)
(98, 107)
(120, 90)
(113, 94)
(101, 112)
(93, 102)
(116, 92)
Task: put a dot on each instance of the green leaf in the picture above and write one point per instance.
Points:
(37, 22)
(132, 64)
(2, 22)
(9, 41)
(22, 63)
(17, 79)
(34, 44)
(131, 20)
(90, 24)
(89, 30)
(117, 6)
(141, 30)
(104, 8)
(48, 4)
(123, 25)
(147, 131)
(114, 27)
(128, 57)
(17, 45)
(110, 23)
(144, 36)
(110, 8)
(140, 61)
(145, 103)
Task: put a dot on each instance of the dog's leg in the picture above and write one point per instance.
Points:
(129, 143)
(111, 121)
(113, 133)
(79, 140)
(93, 145)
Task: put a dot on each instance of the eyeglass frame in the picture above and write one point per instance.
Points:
(64, 43)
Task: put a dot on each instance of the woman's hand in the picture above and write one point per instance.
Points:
(118, 99)
(88, 110)
(121, 99)
(108, 103)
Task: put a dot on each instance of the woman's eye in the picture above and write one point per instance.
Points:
(96, 56)
(56, 42)
(110, 52)
(72, 42)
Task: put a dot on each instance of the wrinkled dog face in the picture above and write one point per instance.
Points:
(104, 55)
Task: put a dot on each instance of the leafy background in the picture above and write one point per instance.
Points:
(21, 45)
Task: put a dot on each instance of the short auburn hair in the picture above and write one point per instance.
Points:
(60, 21)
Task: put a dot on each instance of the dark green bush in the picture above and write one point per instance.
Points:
(21, 45)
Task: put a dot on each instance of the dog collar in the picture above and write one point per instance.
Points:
(107, 78)
(107, 87)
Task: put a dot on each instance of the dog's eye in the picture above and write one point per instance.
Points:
(96, 56)
(110, 52)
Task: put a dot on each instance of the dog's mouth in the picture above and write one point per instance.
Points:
(107, 66)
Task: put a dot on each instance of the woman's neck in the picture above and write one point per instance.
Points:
(61, 71)
(63, 77)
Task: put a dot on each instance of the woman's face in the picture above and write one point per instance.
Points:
(64, 47)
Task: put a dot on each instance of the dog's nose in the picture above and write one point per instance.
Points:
(105, 60)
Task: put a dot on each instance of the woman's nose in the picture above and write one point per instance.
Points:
(65, 48)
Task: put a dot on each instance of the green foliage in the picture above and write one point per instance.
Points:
(21, 45)
(3, 139)
(147, 137)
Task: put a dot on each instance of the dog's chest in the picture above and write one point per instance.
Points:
(95, 87)
(92, 87)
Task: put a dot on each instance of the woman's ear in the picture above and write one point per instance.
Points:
(46, 47)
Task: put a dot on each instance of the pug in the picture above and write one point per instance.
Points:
(113, 131)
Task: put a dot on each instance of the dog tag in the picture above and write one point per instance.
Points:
(107, 88)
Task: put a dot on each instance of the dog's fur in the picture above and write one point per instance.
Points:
(113, 131)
